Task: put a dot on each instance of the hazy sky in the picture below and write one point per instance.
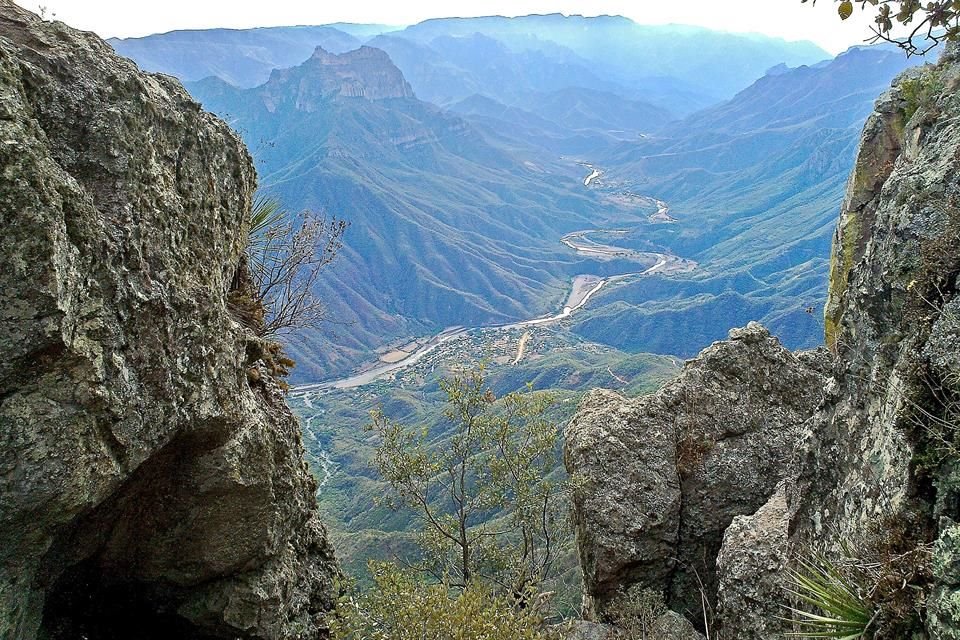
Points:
(785, 18)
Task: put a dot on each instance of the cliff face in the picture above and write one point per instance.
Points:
(147, 488)
(883, 456)
(875, 468)
(363, 73)
(661, 477)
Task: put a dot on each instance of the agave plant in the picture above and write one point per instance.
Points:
(836, 608)
(266, 213)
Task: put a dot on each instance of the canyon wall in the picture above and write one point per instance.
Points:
(152, 481)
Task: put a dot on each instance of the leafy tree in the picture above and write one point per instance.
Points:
(481, 486)
(929, 23)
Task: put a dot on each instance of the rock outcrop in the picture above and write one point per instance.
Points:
(659, 478)
(750, 567)
(148, 488)
(875, 483)
(366, 73)
(668, 626)
(881, 467)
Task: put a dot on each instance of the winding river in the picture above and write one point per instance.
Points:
(583, 288)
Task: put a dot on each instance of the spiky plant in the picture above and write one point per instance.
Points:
(266, 213)
(836, 608)
(286, 254)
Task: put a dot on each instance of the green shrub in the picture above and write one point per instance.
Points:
(920, 92)
(636, 614)
(403, 607)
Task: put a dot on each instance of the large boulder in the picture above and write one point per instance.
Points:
(150, 484)
(658, 479)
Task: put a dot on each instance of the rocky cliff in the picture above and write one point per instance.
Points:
(148, 486)
(881, 466)
(862, 470)
(362, 73)
(661, 477)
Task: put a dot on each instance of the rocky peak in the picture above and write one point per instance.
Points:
(366, 73)
(663, 476)
(150, 485)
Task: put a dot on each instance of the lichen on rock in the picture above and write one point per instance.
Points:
(658, 479)
(146, 487)
(883, 448)
(751, 566)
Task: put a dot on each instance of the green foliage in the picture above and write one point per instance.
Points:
(929, 23)
(879, 593)
(365, 529)
(483, 493)
(636, 614)
(266, 213)
(920, 91)
(835, 608)
(403, 607)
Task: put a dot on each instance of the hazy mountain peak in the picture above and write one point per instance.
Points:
(363, 53)
(366, 73)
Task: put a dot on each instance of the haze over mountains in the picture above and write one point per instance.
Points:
(458, 150)
(449, 59)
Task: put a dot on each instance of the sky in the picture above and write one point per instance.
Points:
(787, 19)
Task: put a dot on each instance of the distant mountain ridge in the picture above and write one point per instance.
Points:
(635, 56)
(447, 60)
(241, 57)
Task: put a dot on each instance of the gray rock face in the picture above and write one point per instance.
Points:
(669, 626)
(943, 611)
(584, 630)
(626, 501)
(750, 567)
(660, 478)
(147, 489)
(884, 447)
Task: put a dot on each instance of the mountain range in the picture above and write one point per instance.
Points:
(446, 227)
(446, 60)
(458, 206)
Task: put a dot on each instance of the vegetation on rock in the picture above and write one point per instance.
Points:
(401, 606)
(287, 253)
